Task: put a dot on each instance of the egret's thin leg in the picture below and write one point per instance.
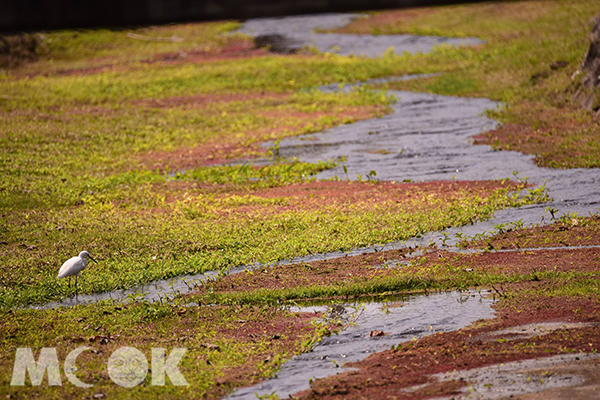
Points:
(69, 282)
(76, 276)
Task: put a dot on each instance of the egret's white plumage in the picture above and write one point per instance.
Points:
(73, 266)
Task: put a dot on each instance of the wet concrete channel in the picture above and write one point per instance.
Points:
(425, 138)
(400, 318)
(289, 34)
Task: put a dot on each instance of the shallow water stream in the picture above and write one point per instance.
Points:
(425, 138)
(288, 34)
(401, 319)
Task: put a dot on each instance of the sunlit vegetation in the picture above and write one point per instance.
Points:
(144, 147)
(530, 63)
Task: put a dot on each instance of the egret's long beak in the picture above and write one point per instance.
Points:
(93, 259)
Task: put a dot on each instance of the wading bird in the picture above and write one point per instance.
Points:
(73, 266)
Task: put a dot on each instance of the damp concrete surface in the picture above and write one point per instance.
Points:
(565, 376)
(290, 34)
(400, 319)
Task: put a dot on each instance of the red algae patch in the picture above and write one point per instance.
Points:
(565, 141)
(411, 366)
(201, 100)
(350, 114)
(244, 145)
(389, 190)
(350, 196)
(232, 51)
(517, 262)
(206, 155)
(341, 270)
(383, 19)
(235, 50)
(567, 232)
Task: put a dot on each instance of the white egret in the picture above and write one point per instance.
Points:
(73, 266)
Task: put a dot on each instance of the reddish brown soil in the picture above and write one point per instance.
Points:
(326, 272)
(559, 138)
(233, 51)
(402, 20)
(383, 19)
(201, 100)
(205, 155)
(383, 375)
(575, 232)
(331, 190)
(230, 148)
(56, 114)
(319, 194)
(241, 49)
(526, 262)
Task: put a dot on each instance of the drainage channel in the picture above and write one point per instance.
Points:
(425, 138)
(290, 34)
(399, 319)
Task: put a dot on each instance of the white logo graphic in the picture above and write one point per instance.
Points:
(127, 367)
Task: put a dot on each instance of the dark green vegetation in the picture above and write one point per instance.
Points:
(530, 62)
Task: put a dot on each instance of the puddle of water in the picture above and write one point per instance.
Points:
(290, 34)
(419, 316)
